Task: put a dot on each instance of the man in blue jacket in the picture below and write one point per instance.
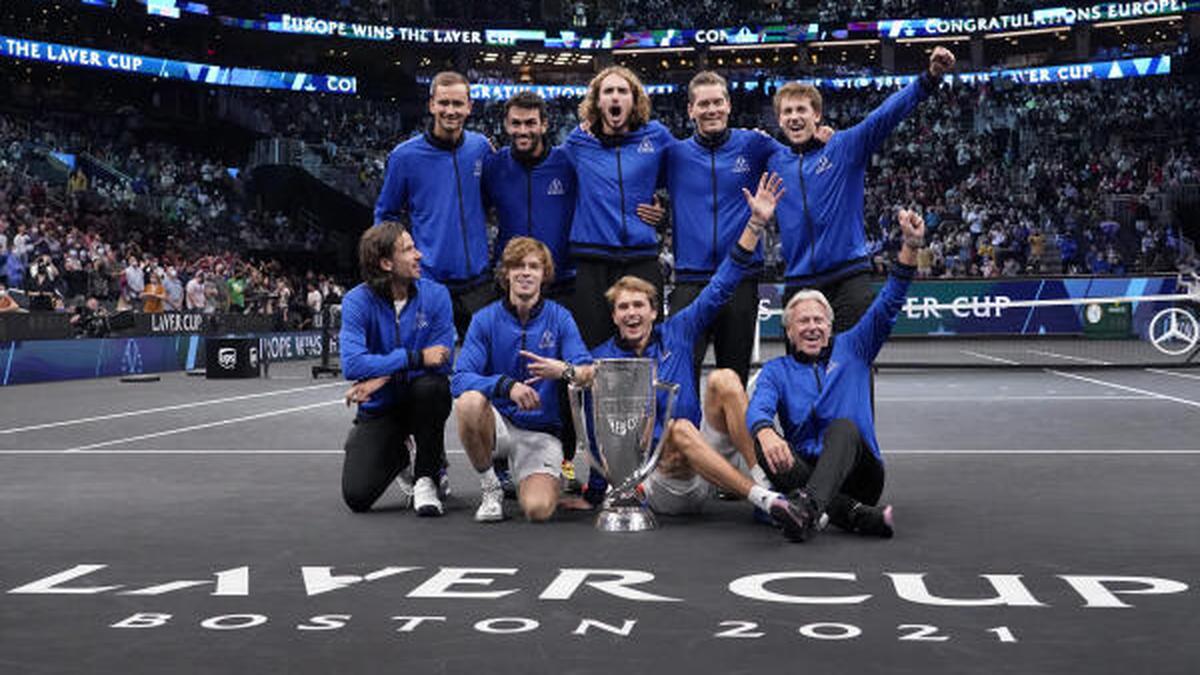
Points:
(434, 180)
(821, 220)
(618, 156)
(505, 383)
(828, 457)
(531, 186)
(396, 340)
(705, 176)
(689, 468)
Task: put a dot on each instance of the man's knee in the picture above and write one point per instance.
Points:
(470, 407)
(843, 428)
(538, 496)
(357, 499)
(723, 383)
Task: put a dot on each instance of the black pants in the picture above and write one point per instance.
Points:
(375, 450)
(845, 472)
(594, 277)
(732, 332)
(467, 301)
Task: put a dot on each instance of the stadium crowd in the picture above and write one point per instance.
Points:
(154, 233)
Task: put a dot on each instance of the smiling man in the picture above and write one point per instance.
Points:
(434, 180)
(691, 467)
(618, 155)
(396, 342)
(821, 220)
(827, 457)
(531, 186)
(705, 176)
(505, 383)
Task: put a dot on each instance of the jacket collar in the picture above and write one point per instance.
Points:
(809, 146)
(530, 160)
(712, 142)
(821, 357)
(512, 309)
(444, 145)
(655, 337)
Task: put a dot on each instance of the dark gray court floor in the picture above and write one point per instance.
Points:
(1062, 493)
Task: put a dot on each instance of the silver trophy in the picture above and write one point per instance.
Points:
(622, 425)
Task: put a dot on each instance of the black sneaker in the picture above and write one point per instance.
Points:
(796, 515)
(872, 521)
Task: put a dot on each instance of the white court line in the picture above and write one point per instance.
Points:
(948, 452)
(181, 406)
(1171, 372)
(1146, 392)
(206, 425)
(1040, 452)
(988, 357)
(1016, 398)
(1094, 362)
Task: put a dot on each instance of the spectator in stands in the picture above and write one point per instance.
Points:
(194, 296)
(154, 296)
(174, 290)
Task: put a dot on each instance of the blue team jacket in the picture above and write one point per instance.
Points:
(375, 341)
(438, 186)
(705, 180)
(821, 216)
(613, 179)
(534, 199)
(489, 361)
(808, 393)
(672, 341)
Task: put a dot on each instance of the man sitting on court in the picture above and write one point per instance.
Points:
(506, 399)
(690, 469)
(828, 458)
(396, 339)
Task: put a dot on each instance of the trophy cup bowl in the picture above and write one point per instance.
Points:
(620, 425)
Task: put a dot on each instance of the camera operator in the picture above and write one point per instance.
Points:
(41, 286)
(90, 319)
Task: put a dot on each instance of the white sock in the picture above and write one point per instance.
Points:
(488, 479)
(762, 497)
(759, 476)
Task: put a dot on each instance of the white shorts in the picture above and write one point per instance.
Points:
(723, 444)
(528, 452)
(678, 496)
(675, 496)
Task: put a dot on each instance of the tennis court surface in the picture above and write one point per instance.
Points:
(1046, 522)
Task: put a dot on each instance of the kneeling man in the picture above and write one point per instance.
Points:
(506, 401)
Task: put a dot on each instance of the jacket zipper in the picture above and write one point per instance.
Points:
(621, 188)
(712, 153)
(462, 212)
(529, 202)
(808, 221)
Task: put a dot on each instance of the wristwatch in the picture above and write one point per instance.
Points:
(568, 375)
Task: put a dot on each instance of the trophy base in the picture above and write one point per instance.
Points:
(635, 518)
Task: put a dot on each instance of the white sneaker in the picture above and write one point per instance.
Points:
(491, 507)
(404, 488)
(425, 498)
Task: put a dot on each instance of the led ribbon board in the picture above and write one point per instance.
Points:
(135, 64)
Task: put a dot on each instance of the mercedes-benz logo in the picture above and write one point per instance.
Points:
(1174, 331)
